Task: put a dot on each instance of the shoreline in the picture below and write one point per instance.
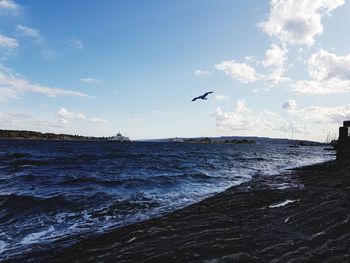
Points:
(302, 214)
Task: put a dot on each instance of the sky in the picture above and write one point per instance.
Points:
(92, 67)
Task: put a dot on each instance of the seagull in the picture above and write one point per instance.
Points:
(203, 97)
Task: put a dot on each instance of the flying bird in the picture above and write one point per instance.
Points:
(203, 97)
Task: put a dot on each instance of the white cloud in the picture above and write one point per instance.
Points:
(324, 115)
(239, 71)
(299, 128)
(221, 97)
(91, 80)
(262, 123)
(65, 122)
(28, 31)
(312, 87)
(76, 43)
(8, 43)
(200, 72)
(276, 77)
(275, 60)
(67, 116)
(289, 105)
(324, 65)
(241, 106)
(230, 121)
(275, 56)
(252, 59)
(292, 22)
(297, 22)
(14, 86)
(328, 73)
(9, 7)
(331, 116)
(98, 120)
(247, 122)
(16, 120)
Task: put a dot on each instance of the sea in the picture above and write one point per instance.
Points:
(71, 190)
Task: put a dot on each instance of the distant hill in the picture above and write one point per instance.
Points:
(211, 140)
(258, 140)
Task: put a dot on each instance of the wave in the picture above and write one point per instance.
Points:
(31, 163)
(195, 176)
(14, 156)
(24, 202)
(142, 182)
(254, 159)
(91, 180)
(188, 177)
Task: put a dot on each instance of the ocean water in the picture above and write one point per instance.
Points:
(64, 190)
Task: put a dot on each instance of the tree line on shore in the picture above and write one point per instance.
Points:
(208, 140)
(33, 135)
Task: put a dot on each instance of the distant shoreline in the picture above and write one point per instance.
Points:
(33, 135)
(210, 141)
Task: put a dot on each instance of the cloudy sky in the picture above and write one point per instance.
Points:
(95, 67)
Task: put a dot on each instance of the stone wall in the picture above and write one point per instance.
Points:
(343, 146)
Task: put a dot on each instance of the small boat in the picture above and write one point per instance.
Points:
(120, 138)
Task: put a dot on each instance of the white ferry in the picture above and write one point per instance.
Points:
(120, 138)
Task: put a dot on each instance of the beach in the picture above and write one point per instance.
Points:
(301, 215)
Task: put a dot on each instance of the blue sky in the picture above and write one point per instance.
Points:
(98, 67)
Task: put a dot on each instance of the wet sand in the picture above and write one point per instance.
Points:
(299, 216)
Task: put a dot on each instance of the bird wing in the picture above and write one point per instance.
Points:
(205, 94)
(196, 98)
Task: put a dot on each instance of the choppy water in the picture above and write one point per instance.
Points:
(51, 190)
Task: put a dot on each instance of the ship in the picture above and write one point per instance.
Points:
(120, 138)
